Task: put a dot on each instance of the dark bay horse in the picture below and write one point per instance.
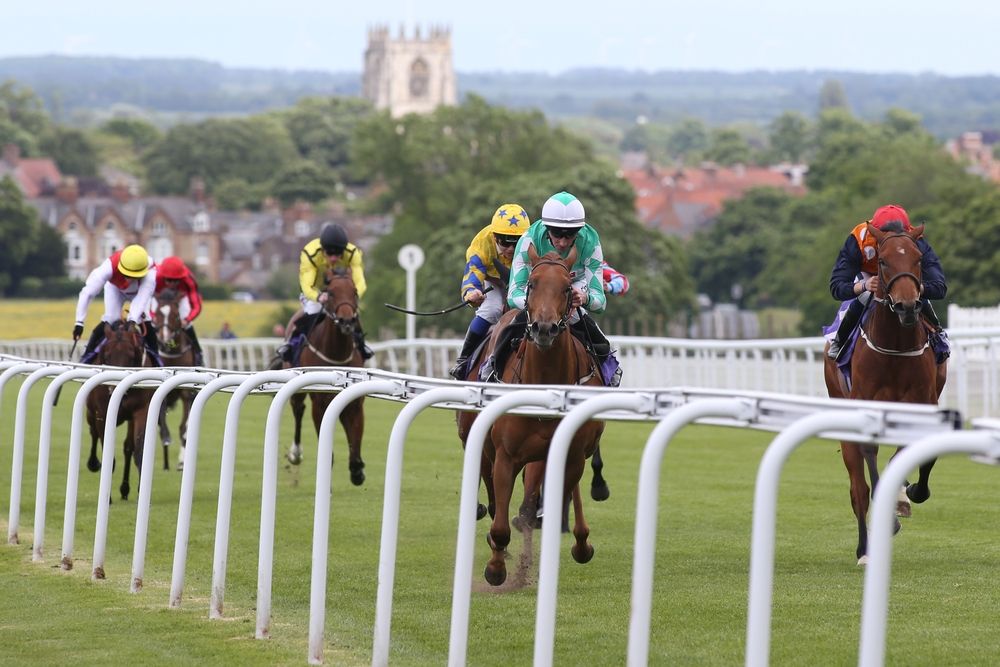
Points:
(331, 342)
(123, 346)
(175, 349)
(893, 361)
(548, 354)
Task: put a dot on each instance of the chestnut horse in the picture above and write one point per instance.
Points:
(175, 349)
(547, 355)
(893, 361)
(331, 342)
(123, 346)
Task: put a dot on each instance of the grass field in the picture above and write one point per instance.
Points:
(944, 601)
(21, 319)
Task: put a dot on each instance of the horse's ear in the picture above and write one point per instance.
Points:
(917, 232)
(876, 232)
(532, 254)
(571, 258)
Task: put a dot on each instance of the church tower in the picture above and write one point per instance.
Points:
(409, 75)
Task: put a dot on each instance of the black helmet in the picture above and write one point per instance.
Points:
(333, 238)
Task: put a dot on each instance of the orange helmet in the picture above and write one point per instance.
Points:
(172, 268)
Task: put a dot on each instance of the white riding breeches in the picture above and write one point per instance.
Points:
(492, 306)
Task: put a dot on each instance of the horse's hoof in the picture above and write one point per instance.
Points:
(582, 555)
(294, 455)
(903, 509)
(93, 465)
(180, 466)
(480, 511)
(863, 561)
(897, 527)
(600, 492)
(495, 577)
(918, 494)
(357, 474)
(522, 524)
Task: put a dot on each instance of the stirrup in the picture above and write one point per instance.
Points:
(456, 370)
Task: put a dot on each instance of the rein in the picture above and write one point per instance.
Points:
(893, 306)
(350, 323)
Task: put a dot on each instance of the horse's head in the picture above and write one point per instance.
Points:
(342, 300)
(122, 345)
(167, 319)
(549, 295)
(901, 284)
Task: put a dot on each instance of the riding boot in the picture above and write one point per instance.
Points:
(587, 332)
(359, 340)
(927, 310)
(938, 337)
(199, 357)
(474, 336)
(149, 338)
(96, 336)
(303, 326)
(850, 320)
(507, 341)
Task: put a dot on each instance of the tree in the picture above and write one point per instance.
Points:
(789, 136)
(688, 139)
(832, 96)
(27, 248)
(71, 149)
(304, 181)
(20, 108)
(321, 128)
(728, 147)
(142, 134)
(252, 149)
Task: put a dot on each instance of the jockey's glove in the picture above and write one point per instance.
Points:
(77, 331)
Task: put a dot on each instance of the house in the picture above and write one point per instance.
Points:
(34, 176)
(681, 200)
(974, 149)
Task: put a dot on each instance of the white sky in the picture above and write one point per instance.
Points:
(958, 37)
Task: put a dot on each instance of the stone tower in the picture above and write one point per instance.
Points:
(409, 75)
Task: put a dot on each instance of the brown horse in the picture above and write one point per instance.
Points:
(893, 361)
(547, 355)
(123, 346)
(331, 342)
(175, 349)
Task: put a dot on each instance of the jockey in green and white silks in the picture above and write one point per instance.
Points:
(587, 268)
(562, 227)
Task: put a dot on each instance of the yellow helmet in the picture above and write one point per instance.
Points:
(134, 261)
(510, 220)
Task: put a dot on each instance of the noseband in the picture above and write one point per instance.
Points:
(346, 324)
(562, 323)
(887, 284)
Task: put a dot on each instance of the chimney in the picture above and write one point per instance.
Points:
(68, 191)
(12, 154)
(120, 192)
(198, 189)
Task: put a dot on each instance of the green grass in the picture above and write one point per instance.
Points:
(943, 605)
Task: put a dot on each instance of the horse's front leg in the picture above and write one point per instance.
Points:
(921, 490)
(298, 402)
(527, 514)
(499, 535)
(353, 421)
(187, 400)
(129, 448)
(599, 490)
(96, 423)
(581, 550)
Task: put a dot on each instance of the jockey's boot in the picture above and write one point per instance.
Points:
(359, 340)
(845, 329)
(96, 336)
(587, 332)
(477, 332)
(199, 356)
(302, 325)
(149, 339)
(939, 337)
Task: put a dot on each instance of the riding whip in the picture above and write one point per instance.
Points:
(55, 399)
(434, 312)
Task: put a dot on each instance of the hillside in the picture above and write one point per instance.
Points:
(78, 89)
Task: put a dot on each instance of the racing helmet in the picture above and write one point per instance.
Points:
(563, 210)
(134, 261)
(333, 238)
(510, 220)
(171, 268)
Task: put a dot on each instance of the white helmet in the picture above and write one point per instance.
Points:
(563, 210)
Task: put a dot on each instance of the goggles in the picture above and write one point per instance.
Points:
(563, 232)
(333, 251)
(505, 241)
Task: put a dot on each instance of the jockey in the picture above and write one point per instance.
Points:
(172, 273)
(562, 227)
(128, 275)
(855, 276)
(331, 250)
(488, 260)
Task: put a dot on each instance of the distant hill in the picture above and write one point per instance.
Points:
(75, 88)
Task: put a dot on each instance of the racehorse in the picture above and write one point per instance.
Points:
(175, 349)
(331, 342)
(548, 354)
(123, 346)
(893, 361)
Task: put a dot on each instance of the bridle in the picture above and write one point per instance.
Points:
(887, 284)
(347, 325)
(171, 347)
(563, 321)
(119, 330)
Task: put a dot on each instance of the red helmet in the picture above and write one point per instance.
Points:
(891, 213)
(172, 268)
